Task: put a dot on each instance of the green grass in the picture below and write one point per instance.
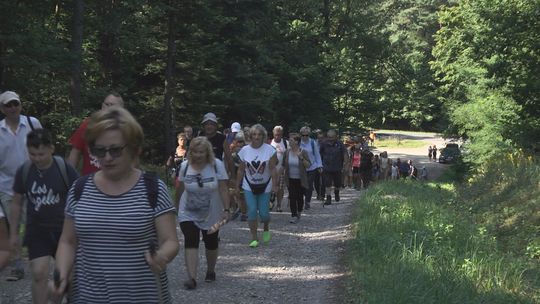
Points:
(396, 142)
(412, 245)
(420, 133)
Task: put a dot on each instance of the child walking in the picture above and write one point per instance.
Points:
(45, 181)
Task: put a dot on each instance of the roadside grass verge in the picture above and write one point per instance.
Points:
(504, 197)
(418, 133)
(411, 245)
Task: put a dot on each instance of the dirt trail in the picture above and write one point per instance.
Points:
(419, 156)
(301, 264)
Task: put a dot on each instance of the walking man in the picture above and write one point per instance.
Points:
(219, 143)
(281, 145)
(13, 131)
(78, 144)
(334, 160)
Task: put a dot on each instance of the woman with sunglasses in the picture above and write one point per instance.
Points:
(204, 201)
(296, 161)
(117, 242)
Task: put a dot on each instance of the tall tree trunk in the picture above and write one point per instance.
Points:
(76, 51)
(107, 41)
(170, 83)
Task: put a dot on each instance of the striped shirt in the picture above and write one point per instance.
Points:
(113, 232)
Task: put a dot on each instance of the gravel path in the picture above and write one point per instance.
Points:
(301, 264)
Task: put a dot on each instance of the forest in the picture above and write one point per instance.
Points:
(467, 69)
(461, 67)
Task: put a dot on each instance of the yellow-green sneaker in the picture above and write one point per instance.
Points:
(266, 236)
(254, 244)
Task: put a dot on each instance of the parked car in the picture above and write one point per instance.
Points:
(450, 153)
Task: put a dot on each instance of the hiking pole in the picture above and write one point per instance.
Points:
(272, 200)
(152, 247)
(217, 225)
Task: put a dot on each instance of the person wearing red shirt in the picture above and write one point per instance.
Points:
(78, 143)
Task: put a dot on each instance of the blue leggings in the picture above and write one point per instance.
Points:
(257, 204)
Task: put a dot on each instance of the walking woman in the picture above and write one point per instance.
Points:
(296, 161)
(176, 159)
(119, 232)
(204, 201)
(258, 174)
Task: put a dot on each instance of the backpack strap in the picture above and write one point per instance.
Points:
(152, 188)
(312, 141)
(30, 122)
(79, 186)
(185, 169)
(187, 165)
(150, 183)
(285, 143)
(62, 166)
(25, 171)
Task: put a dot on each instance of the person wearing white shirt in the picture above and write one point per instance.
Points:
(13, 130)
(281, 145)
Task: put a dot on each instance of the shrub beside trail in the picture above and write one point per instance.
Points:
(442, 242)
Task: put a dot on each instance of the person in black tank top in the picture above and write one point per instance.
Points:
(218, 141)
(217, 144)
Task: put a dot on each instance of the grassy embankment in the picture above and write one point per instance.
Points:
(440, 243)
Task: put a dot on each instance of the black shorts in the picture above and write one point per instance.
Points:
(41, 241)
(192, 236)
(356, 170)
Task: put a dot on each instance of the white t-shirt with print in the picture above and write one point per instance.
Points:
(201, 202)
(257, 163)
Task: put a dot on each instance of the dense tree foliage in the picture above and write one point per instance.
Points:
(470, 67)
(488, 61)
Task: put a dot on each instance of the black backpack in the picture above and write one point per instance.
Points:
(187, 166)
(150, 183)
(58, 161)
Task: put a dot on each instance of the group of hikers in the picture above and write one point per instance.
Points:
(112, 228)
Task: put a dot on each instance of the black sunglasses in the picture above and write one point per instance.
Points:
(305, 135)
(100, 152)
(13, 103)
(199, 181)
